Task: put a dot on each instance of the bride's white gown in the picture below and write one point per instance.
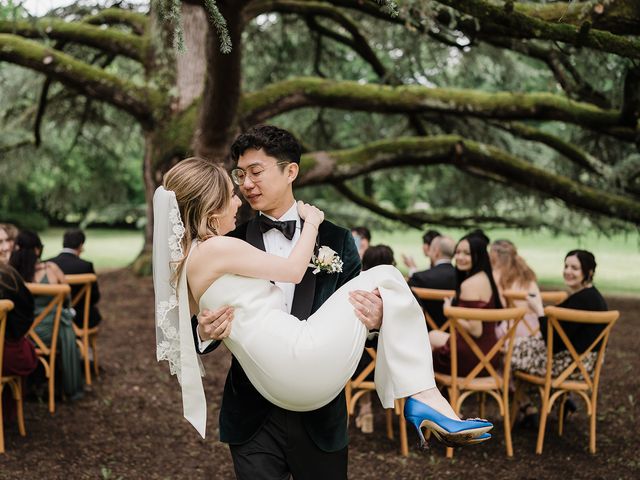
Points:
(303, 365)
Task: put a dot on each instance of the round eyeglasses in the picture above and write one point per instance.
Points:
(238, 175)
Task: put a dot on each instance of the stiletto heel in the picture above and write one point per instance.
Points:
(453, 433)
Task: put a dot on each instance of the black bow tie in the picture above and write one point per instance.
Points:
(288, 228)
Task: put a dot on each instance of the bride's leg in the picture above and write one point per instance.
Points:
(435, 400)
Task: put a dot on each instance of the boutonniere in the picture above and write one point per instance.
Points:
(326, 260)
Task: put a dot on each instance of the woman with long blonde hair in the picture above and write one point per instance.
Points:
(296, 365)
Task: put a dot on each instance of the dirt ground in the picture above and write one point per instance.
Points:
(130, 425)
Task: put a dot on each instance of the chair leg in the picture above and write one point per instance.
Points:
(592, 426)
(544, 413)
(1, 422)
(87, 366)
(507, 423)
(52, 391)
(561, 414)
(94, 349)
(389, 414)
(16, 390)
(402, 431)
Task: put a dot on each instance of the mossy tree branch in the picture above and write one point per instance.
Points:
(501, 20)
(419, 218)
(140, 102)
(621, 17)
(479, 159)
(302, 92)
(118, 16)
(108, 40)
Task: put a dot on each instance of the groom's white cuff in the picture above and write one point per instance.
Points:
(202, 346)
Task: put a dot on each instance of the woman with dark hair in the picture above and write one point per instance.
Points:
(530, 353)
(26, 260)
(475, 288)
(19, 356)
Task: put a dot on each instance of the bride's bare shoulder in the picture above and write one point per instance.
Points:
(217, 245)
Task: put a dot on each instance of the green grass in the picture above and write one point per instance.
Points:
(618, 257)
(107, 249)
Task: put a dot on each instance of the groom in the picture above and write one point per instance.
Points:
(267, 442)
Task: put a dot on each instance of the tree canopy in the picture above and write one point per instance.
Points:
(449, 112)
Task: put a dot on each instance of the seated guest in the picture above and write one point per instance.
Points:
(530, 353)
(26, 260)
(427, 239)
(511, 272)
(441, 276)
(70, 263)
(373, 256)
(362, 237)
(19, 355)
(475, 288)
(8, 234)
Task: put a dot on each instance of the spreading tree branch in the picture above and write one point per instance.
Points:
(469, 156)
(141, 102)
(295, 93)
(419, 219)
(119, 16)
(507, 22)
(108, 40)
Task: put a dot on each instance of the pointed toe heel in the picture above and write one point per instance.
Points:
(453, 433)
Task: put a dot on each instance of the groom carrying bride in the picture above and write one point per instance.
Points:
(266, 441)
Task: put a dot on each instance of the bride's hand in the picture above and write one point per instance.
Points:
(310, 214)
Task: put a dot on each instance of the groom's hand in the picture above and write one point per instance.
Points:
(367, 307)
(216, 324)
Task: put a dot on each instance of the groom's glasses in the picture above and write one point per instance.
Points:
(239, 175)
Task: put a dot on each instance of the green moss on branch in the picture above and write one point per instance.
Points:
(118, 16)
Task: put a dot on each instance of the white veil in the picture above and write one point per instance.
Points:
(174, 335)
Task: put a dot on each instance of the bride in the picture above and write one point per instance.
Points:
(295, 365)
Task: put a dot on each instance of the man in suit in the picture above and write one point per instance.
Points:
(441, 275)
(70, 263)
(267, 442)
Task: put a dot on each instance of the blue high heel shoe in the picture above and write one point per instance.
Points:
(453, 433)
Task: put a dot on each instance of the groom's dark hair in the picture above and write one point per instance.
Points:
(276, 142)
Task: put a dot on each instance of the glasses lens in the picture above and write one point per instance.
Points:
(237, 175)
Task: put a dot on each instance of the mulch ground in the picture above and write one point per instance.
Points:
(130, 425)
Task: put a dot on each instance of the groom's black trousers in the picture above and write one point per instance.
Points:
(282, 448)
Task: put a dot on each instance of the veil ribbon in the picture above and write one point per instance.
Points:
(174, 334)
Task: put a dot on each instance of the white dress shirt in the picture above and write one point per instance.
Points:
(275, 243)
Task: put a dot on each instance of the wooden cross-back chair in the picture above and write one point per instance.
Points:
(86, 335)
(358, 386)
(14, 382)
(554, 388)
(433, 294)
(47, 353)
(494, 384)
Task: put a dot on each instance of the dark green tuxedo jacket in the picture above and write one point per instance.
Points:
(243, 409)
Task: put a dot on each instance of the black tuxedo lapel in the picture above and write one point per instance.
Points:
(305, 292)
(254, 235)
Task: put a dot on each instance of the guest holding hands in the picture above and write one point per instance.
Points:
(26, 260)
(511, 272)
(475, 288)
(441, 276)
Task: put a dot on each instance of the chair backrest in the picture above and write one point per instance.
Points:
(5, 306)
(86, 280)
(553, 297)
(555, 315)
(58, 294)
(362, 376)
(433, 294)
(489, 316)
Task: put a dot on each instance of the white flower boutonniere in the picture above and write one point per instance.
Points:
(327, 260)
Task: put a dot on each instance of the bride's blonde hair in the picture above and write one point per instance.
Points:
(203, 191)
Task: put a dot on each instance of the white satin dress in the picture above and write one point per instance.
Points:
(303, 365)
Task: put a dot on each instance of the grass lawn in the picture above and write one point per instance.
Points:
(618, 257)
(107, 249)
